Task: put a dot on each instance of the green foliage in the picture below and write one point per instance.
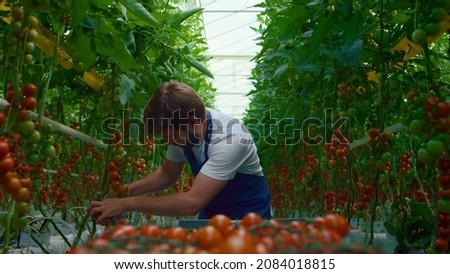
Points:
(326, 62)
(412, 224)
(128, 48)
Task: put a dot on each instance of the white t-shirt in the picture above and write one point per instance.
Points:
(230, 150)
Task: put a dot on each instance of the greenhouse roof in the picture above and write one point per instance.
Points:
(232, 44)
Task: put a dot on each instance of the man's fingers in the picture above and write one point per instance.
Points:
(93, 205)
(95, 212)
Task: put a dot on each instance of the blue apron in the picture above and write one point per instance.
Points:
(242, 194)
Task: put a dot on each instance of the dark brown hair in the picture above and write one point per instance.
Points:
(172, 105)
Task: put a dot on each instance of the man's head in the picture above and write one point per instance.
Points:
(175, 113)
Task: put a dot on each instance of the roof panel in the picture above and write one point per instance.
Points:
(231, 43)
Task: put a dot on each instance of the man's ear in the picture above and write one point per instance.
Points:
(194, 120)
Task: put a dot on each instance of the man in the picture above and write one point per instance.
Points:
(223, 158)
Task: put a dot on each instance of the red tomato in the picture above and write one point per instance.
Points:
(4, 149)
(28, 90)
(444, 193)
(175, 233)
(443, 179)
(267, 241)
(115, 185)
(29, 103)
(12, 185)
(26, 182)
(99, 243)
(114, 175)
(373, 133)
(111, 166)
(6, 165)
(297, 226)
(209, 237)
(9, 96)
(443, 165)
(222, 223)
(251, 219)
(151, 231)
(123, 190)
(443, 233)
(328, 237)
(123, 231)
(441, 245)
(336, 223)
(2, 118)
(237, 244)
(80, 250)
(22, 195)
(340, 153)
(22, 115)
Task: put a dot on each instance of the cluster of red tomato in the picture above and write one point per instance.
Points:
(118, 187)
(404, 165)
(337, 153)
(14, 172)
(57, 190)
(441, 243)
(330, 201)
(342, 200)
(377, 138)
(278, 184)
(306, 174)
(250, 235)
(426, 109)
(140, 167)
(184, 184)
(345, 104)
(365, 194)
(11, 181)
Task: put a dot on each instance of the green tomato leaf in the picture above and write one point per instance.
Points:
(111, 44)
(176, 19)
(420, 209)
(309, 67)
(282, 68)
(88, 23)
(79, 9)
(82, 43)
(136, 8)
(129, 41)
(102, 4)
(126, 88)
(349, 55)
(191, 61)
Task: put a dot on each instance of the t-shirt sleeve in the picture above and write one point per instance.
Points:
(225, 157)
(175, 154)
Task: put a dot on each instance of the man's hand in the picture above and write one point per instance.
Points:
(109, 208)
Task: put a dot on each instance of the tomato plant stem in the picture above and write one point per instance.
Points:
(416, 176)
(374, 207)
(8, 221)
(43, 94)
(428, 68)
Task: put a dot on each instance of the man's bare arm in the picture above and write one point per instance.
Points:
(187, 203)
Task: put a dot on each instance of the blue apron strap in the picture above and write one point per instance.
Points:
(195, 165)
(208, 134)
